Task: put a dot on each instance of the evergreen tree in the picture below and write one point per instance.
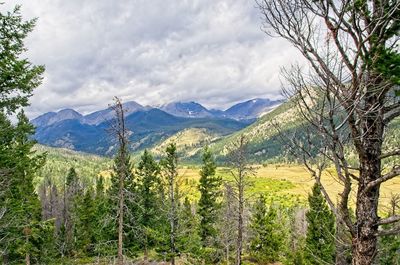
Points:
(72, 190)
(267, 237)
(210, 193)
(320, 238)
(20, 204)
(148, 179)
(85, 223)
(18, 76)
(104, 230)
(20, 208)
(189, 242)
(170, 170)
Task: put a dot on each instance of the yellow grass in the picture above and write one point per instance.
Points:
(295, 174)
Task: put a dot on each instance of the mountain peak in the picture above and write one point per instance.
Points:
(54, 117)
(251, 109)
(189, 109)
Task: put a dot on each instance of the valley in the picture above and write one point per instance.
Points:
(285, 184)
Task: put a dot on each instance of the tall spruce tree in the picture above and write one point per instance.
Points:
(20, 208)
(210, 192)
(267, 237)
(72, 189)
(148, 178)
(189, 242)
(21, 217)
(320, 238)
(170, 170)
(85, 224)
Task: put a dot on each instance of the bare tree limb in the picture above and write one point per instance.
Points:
(392, 174)
(389, 220)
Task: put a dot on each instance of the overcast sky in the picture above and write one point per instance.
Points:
(151, 51)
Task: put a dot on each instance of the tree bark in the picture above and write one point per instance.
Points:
(172, 221)
(121, 220)
(365, 239)
(239, 243)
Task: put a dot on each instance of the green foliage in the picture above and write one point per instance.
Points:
(148, 202)
(170, 170)
(267, 239)
(210, 193)
(189, 241)
(85, 213)
(18, 77)
(18, 165)
(59, 161)
(21, 229)
(320, 239)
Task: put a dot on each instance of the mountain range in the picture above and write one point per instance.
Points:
(149, 126)
(189, 125)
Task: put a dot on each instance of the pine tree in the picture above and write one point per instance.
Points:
(20, 204)
(71, 192)
(210, 193)
(267, 237)
(148, 179)
(170, 168)
(189, 242)
(320, 238)
(85, 223)
(20, 208)
(18, 76)
(104, 230)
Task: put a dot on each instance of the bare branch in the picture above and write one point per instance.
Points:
(390, 154)
(389, 220)
(392, 174)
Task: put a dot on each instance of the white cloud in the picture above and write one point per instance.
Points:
(151, 51)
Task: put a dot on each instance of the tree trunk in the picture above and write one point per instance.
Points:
(227, 255)
(27, 259)
(172, 224)
(239, 243)
(145, 253)
(365, 239)
(121, 220)
(342, 244)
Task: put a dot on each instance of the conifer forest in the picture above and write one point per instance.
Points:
(309, 177)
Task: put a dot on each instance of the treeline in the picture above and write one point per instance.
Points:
(161, 223)
(80, 222)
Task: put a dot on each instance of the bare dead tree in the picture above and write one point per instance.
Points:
(228, 221)
(122, 168)
(240, 172)
(348, 96)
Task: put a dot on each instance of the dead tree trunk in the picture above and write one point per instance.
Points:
(122, 170)
(240, 173)
(351, 48)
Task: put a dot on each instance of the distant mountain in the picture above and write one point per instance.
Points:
(54, 117)
(147, 127)
(150, 127)
(186, 109)
(107, 114)
(251, 109)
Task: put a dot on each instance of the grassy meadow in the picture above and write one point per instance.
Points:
(286, 184)
(283, 184)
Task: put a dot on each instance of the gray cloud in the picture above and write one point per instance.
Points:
(151, 51)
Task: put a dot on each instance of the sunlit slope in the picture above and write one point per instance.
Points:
(60, 160)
